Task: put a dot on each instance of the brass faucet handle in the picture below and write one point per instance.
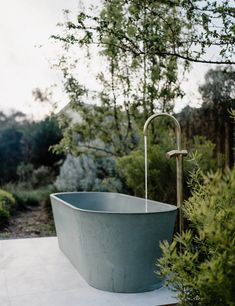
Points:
(176, 153)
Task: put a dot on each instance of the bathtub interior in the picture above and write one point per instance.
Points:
(111, 202)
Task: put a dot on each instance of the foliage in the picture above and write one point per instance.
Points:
(27, 196)
(201, 154)
(203, 272)
(86, 173)
(4, 217)
(213, 120)
(10, 153)
(24, 172)
(42, 176)
(161, 173)
(24, 146)
(207, 24)
(204, 24)
(7, 200)
(33, 211)
(34, 178)
(219, 88)
(134, 85)
(44, 134)
(7, 203)
(141, 43)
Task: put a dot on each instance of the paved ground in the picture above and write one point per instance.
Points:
(34, 272)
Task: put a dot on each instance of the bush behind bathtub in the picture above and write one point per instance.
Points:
(88, 173)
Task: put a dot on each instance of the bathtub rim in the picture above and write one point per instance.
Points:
(55, 197)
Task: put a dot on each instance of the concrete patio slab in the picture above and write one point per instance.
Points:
(34, 272)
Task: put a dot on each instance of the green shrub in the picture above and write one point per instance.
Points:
(7, 203)
(30, 177)
(42, 176)
(4, 217)
(32, 197)
(201, 150)
(7, 200)
(203, 272)
(161, 173)
(24, 172)
(29, 197)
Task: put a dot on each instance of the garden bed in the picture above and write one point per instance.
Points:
(32, 221)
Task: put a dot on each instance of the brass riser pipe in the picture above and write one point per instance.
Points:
(178, 153)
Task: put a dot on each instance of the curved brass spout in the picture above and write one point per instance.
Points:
(178, 153)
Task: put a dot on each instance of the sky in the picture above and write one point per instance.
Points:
(27, 53)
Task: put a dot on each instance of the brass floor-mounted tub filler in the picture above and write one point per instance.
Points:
(178, 153)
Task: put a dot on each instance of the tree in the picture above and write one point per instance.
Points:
(142, 42)
(213, 119)
(219, 88)
(218, 94)
(204, 24)
(24, 145)
(45, 134)
(10, 153)
(134, 84)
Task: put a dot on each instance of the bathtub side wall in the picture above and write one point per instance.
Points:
(68, 234)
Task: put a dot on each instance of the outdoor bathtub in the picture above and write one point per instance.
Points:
(111, 240)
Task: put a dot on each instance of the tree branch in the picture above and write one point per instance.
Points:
(191, 59)
(97, 149)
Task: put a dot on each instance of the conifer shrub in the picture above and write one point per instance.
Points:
(203, 272)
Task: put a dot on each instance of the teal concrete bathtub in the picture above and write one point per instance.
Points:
(111, 240)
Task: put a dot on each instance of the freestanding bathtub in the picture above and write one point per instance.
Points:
(111, 240)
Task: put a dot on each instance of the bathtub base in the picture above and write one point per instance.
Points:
(134, 290)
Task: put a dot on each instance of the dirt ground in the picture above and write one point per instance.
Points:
(31, 222)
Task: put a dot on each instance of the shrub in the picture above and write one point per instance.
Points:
(88, 173)
(7, 203)
(7, 200)
(202, 152)
(4, 217)
(161, 173)
(203, 272)
(42, 176)
(24, 172)
(30, 177)
(29, 197)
